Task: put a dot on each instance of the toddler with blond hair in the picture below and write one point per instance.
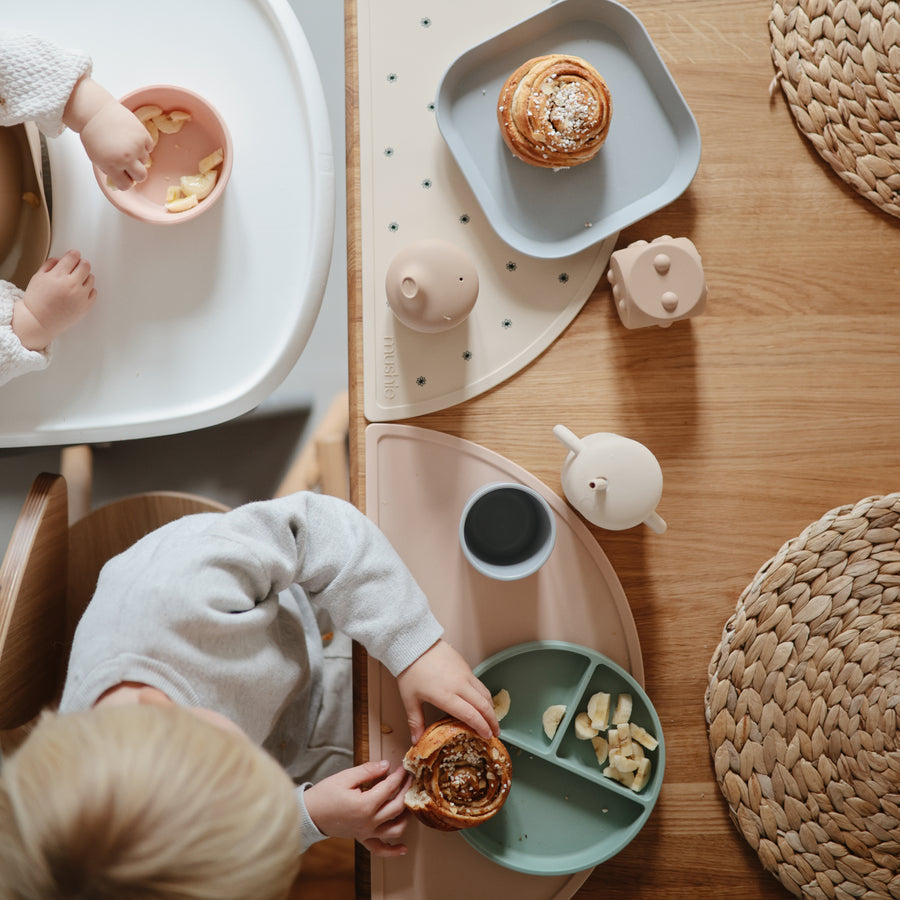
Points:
(214, 624)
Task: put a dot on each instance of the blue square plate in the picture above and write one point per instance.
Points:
(648, 160)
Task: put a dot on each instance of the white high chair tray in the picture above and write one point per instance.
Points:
(198, 322)
(417, 482)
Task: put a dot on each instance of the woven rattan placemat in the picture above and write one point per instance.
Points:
(838, 65)
(801, 707)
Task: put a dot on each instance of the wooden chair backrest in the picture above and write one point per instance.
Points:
(48, 575)
(32, 603)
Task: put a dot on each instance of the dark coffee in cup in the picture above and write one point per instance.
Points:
(507, 531)
(504, 527)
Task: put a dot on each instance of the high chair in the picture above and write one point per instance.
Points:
(50, 570)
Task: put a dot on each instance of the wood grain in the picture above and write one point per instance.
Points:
(326, 871)
(776, 405)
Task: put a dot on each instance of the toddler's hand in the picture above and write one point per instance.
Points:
(442, 677)
(364, 803)
(59, 294)
(114, 138)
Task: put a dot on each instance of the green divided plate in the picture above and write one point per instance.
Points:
(563, 814)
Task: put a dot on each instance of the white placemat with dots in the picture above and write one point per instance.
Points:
(411, 189)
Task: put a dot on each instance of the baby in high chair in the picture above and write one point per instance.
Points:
(52, 87)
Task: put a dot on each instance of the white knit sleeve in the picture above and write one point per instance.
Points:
(15, 359)
(36, 79)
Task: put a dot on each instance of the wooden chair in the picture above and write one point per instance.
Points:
(48, 576)
(50, 569)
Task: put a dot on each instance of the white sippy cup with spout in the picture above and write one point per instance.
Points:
(612, 481)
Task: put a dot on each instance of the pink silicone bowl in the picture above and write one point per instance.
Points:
(175, 155)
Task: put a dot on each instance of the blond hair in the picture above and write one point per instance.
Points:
(144, 803)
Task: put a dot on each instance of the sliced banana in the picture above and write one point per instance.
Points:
(622, 748)
(148, 111)
(601, 748)
(584, 730)
(612, 737)
(214, 159)
(551, 718)
(150, 125)
(182, 204)
(623, 709)
(171, 122)
(501, 703)
(643, 737)
(624, 738)
(598, 710)
(193, 188)
(642, 775)
(622, 762)
(199, 185)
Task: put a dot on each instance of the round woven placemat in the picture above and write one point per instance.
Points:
(838, 65)
(802, 707)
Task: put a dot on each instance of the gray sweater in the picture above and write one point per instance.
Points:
(219, 610)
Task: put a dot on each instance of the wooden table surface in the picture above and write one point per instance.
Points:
(776, 405)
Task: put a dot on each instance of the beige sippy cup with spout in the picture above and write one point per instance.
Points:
(612, 481)
(431, 285)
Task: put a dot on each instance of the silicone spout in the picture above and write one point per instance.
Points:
(568, 439)
(600, 483)
(655, 522)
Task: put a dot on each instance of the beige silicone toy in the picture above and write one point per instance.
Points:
(657, 283)
(431, 285)
(612, 481)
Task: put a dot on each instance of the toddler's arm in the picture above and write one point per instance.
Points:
(113, 137)
(347, 566)
(52, 86)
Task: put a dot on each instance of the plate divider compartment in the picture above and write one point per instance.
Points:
(581, 771)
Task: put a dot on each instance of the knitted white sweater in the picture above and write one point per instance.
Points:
(15, 359)
(36, 79)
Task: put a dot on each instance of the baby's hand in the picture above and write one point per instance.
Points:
(59, 294)
(442, 677)
(118, 144)
(364, 803)
(114, 138)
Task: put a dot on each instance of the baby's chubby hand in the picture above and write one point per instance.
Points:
(114, 139)
(364, 803)
(442, 677)
(59, 294)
